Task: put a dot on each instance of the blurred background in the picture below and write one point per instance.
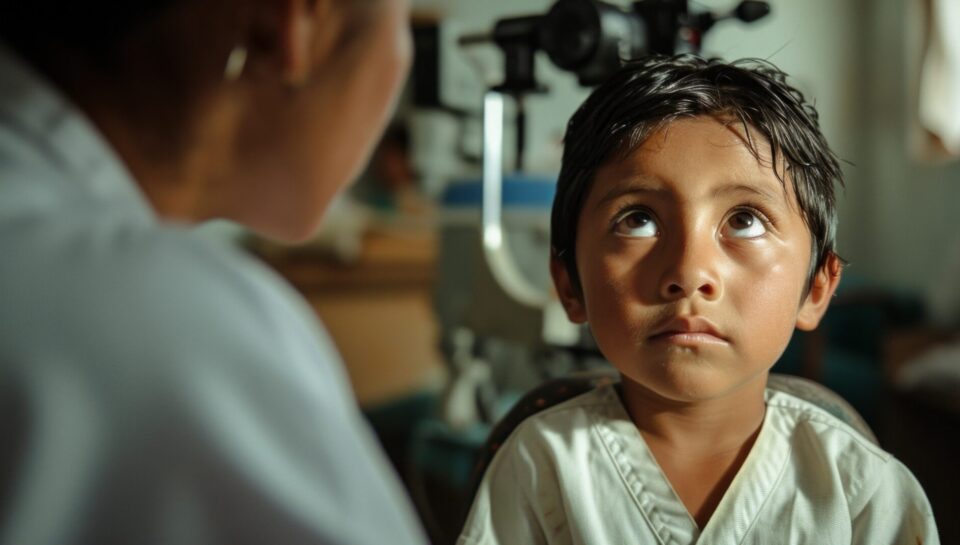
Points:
(438, 348)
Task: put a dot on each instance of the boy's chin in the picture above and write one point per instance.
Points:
(689, 384)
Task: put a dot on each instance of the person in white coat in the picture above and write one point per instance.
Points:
(155, 388)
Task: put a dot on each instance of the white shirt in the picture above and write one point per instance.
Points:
(155, 388)
(580, 473)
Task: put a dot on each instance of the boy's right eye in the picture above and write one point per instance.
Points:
(635, 223)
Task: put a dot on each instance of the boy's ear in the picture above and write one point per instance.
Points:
(569, 296)
(815, 304)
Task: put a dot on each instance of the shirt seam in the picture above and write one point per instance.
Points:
(658, 526)
(766, 500)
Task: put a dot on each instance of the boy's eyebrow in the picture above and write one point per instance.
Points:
(642, 184)
(761, 192)
(632, 184)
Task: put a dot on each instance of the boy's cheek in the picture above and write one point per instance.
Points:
(773, 270)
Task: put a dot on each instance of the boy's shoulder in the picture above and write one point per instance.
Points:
(823, 447)
(572, 418)
(820, 443)
(603, 398)
(819, 413)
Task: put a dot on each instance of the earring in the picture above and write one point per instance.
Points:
(235, 63)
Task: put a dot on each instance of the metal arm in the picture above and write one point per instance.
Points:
(499, 259)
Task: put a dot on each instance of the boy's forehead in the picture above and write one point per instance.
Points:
(722, 135)
(710, 154)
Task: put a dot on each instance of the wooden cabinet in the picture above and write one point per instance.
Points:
(379, 310)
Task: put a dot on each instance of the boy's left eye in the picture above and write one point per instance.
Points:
(744, 224)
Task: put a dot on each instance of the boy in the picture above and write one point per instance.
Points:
(694, 229)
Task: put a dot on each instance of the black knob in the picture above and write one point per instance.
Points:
(750, 10)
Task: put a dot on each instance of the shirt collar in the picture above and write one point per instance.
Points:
(67, 137)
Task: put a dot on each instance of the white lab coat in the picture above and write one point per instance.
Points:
(580, 473)
(155, 388)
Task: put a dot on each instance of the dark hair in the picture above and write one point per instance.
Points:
(645, 95)
(93, 28)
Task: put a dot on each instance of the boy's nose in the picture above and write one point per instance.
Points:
(691, 272)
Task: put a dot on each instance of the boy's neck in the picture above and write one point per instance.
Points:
(700, 446)
(700, 429)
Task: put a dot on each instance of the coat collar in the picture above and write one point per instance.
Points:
(38, 113)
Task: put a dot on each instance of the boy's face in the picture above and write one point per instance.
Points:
(693, 259)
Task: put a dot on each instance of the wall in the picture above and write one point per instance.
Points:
(910, 221)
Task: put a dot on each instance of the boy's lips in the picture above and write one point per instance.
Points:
(689, 330)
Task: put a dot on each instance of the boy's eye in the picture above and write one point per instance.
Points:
(745, 224)
(635, 223)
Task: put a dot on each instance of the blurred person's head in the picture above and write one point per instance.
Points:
(258, 111)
